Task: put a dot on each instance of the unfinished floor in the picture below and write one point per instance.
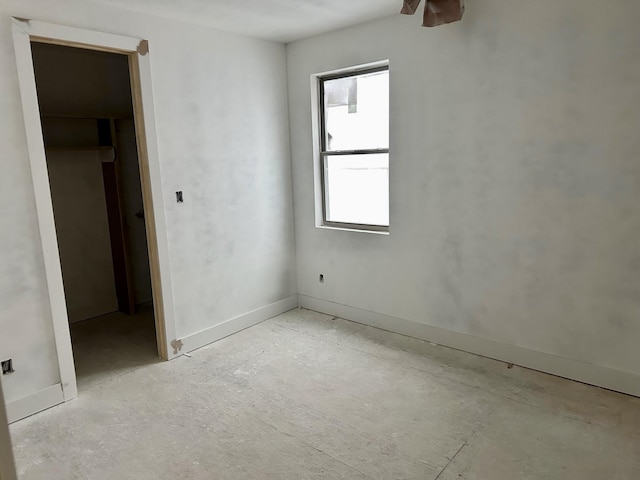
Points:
(306, 396)
(111, 345)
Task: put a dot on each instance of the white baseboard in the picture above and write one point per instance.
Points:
(51, 396)
(618, 380)
(26, 406)
(217, 332)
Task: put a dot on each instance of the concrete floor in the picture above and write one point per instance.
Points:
(308, 396)
(112, 345)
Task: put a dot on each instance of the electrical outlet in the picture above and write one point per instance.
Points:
(321, 278)
(7, 366)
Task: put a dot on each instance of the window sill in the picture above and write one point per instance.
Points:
(358, 230)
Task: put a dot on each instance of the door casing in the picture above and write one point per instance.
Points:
(7, 464)
(137, 50)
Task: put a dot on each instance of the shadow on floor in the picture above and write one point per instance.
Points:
(111, 345)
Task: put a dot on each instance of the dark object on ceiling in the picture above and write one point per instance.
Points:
(436, 12)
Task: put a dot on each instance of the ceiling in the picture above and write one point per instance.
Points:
(278, 20)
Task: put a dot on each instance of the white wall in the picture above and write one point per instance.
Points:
(221, 118)
(515, 177)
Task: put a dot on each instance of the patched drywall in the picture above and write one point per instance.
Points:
(514, 177)
(221, 118)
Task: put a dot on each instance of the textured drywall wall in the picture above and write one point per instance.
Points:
(514, 177)
(221, 118)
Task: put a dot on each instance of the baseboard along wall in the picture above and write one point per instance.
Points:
(611, 379)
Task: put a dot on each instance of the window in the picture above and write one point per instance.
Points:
(354, 148)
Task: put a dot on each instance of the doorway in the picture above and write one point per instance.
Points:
(140, 125)
(86, 113)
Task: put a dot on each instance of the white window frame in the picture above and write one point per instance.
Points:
(321, 154)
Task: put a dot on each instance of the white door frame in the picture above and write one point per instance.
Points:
(137, 50)
(7, 465)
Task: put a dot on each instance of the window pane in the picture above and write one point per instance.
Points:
(357, 189)
(356, 112)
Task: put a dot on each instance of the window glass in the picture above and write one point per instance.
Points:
(357, 112)
(355, 149)
(358, 189)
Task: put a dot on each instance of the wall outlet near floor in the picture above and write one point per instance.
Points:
(7, 366)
